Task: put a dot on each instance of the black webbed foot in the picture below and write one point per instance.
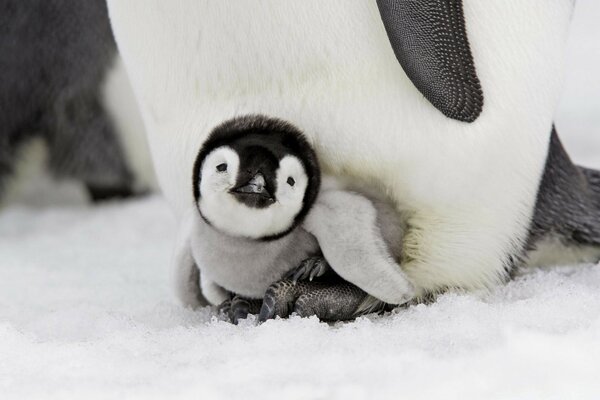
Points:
(329, 300)
(336, 302)
(279, 299)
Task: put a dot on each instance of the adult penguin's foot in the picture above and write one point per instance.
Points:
(328, 300)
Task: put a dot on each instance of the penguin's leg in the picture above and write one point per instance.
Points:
(312, 267)
(83, 145)
(329, 300)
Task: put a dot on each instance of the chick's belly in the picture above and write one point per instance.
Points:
(249, 276)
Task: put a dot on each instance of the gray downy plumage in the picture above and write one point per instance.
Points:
(247, 266)
(54, 55)
(251, 266)
(330, 297)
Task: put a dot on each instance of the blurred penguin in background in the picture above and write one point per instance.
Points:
(58, 60)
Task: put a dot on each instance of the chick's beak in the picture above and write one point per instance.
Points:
(256, 185)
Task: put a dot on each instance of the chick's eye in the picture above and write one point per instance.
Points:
(222, 167)
(291, 181)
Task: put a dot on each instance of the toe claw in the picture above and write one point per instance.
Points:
(298, 275)
(301, 272)
(319, 268)
(309, 269)
(267, 311)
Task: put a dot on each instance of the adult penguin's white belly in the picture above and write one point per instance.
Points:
(328, 67)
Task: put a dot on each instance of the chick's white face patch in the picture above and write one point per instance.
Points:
(292, 182)
(219, 172)
(222, 210)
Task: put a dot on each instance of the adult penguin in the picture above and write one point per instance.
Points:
(446, 105)
(59, 85)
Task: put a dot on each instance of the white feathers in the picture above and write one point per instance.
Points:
(218, 172)
(292, 183)
(120, 103)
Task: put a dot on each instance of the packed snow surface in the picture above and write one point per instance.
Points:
(87, 310)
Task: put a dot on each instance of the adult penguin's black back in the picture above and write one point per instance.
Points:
(54, 55)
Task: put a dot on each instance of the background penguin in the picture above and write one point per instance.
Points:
(447, 106)
(262, 214)
(55, 56)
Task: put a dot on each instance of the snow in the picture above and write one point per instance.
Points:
(87, 310)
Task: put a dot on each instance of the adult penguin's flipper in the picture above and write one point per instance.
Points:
(430, 41)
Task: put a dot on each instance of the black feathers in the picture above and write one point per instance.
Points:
(568, 200)
(430, 41)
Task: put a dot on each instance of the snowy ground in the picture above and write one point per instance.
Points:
(87, 310)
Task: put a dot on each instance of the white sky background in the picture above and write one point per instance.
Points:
(578, 118)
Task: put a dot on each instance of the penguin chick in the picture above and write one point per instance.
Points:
(256, 184)
(255, 180)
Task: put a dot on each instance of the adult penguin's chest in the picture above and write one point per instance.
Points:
(328, 67)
